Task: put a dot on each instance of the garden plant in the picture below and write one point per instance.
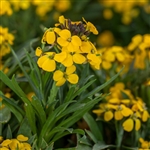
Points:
(74, 75)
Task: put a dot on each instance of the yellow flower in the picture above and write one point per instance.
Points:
(38, 51)
(122, 111)
(5, 39)
(47, 62)
(49, 36)
(90, 27)
(68, 41)
(6, 142)
(105, 110)
(93, 57)
(107, 13)
(145, 116)
(5, 8)
(145, 145)
(14, 144)
(61, 77)
(128, 125)
(22, 138)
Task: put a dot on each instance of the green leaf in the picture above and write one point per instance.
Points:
(38, 110)
(78, 114)
(93, 126)
(83, 88)
(9, 133)
(13, 107)
(30, 115)
(102, 146)
(61, 134)
(5, 115)
(24, 127)
(73, 148)
(91, 136)
(97, 89)
(84, 140)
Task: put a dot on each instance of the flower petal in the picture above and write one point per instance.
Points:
(137, 124)
(73, 78)
(70, 70)
(68, 61)
(78, 58)
(38, 51)
(128, 125)
(50, 37)
(108, 115)
(58, 75)
(60, 82)
(49, 65)
(22, 138)
(118, 115)
(65, 34)
(60, 56)
(41, 60)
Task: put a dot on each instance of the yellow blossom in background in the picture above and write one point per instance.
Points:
(5, 8)
(127, 9)
(62, 6)
(20, 4)
(131, 123)
(105, 110)
(8, 95)
(144, 145)
(90, 27)
(61, 77)
(43, 7)
(13, 144)
(105, 39)
(139, 49)
(6, 38)
(107, 13)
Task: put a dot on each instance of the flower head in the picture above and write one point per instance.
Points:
(61, 77)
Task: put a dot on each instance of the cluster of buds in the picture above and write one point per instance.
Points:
(122, 106)
(69, 45)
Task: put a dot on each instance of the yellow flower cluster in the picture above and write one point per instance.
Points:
(42, 7)
(144, 145)
(5, 8)
(8, 95)
(120, 105)
(68, 44)
(115, 54)
(140, 49)
(137, 52)
(6, 38)
(20, 143)
(127, 8)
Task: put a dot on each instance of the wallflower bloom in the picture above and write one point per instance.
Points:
(61, 77)
(105, 110)
(144, 145)
(13, 144)
(68, 41)
(90, 27)
(6, 38)
(122, 111)
(128, 125)
(5, 8)
(47, 62)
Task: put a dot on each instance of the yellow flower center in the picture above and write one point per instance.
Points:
(69, 39)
